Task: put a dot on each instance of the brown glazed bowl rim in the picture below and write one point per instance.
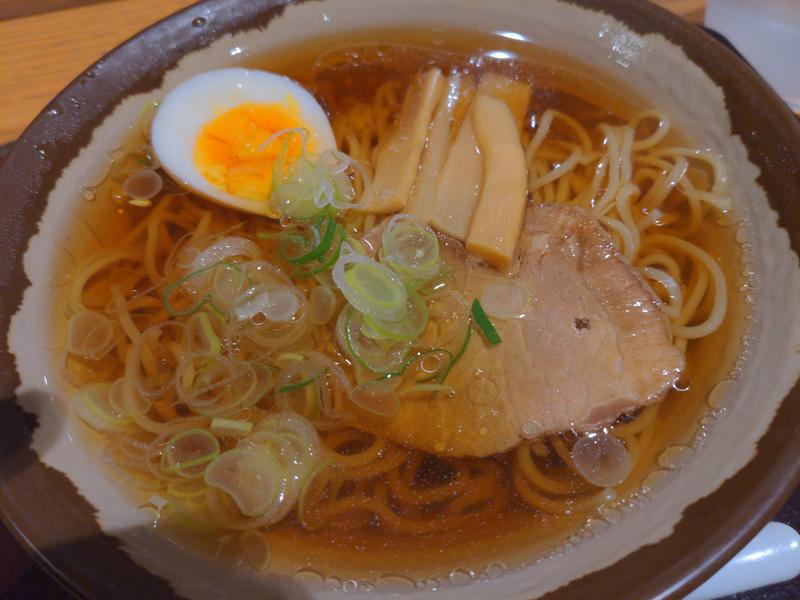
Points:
(710, 531)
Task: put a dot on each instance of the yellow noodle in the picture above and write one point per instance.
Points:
(539, 479)
(643, 420)
(123, 315)
(648, 195)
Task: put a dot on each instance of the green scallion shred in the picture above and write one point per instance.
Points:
(314, 252)
(296, 386)
(458, 355)
(412, 359)
(484, 324)
(328, 258)
(434, 388)
(168, 291)
(413, 324)
(207, 329)
(389, 347)
(230, 427)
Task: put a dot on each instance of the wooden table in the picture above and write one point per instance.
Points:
(44, 44)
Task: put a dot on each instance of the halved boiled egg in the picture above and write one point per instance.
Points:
(221, 134)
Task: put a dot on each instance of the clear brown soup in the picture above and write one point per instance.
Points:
(344, 70)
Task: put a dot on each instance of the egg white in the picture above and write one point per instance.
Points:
(202, 98)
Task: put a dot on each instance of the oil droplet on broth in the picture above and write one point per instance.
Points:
(482, 391)
(727, 219)
(333, 583)
(609, 514)
(394, 584)
(596, 525)
(495, 569)
(722, 393)
(741, 235)
(675, 457)
(351, 585)
(657, 481)
(505, 299)
(461, 576)
(150, 511)
(531, 429)
(601, 459)
(708, 421)
(310, 579)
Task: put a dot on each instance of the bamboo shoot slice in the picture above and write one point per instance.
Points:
(516, 94)
(423, 198)
(497, 221)
(459, 184)
(397, 161)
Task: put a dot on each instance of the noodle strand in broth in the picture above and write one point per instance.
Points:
(177, 363)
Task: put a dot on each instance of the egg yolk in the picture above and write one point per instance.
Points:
(230, 153)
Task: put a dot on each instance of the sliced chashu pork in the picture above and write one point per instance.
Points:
(595, 344)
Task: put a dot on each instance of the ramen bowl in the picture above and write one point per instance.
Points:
(706, 494)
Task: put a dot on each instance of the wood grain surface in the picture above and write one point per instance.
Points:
(45, 44)
(42, 53)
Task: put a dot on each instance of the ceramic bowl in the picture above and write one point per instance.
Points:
(707, 500)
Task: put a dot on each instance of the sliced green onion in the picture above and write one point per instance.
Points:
(449, 320)
(90, 334)
(301, 387)
(230, 427)
(296, 386)
(426, 387)
(378, 397)
(176, 286)
(229, 283)
(439, 374)
(290, 422)
(372, 288)
(374, 285)
(188, 453)
(378, 356)
(367, 331)
(459, 354)
(485, 325)
(309, 188)
(256, 549)
(126, 400)
(92, 406)
(284, 359)
(268, 302)
(321, 305)
(307, 494)
(312, 246)
(412, 359)
(251, 477)
(326, 261)
(295, 193)
(290, 195)
(411, 249)
(177, 514)
(409, 327)
(203, 334)
(187, 488)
